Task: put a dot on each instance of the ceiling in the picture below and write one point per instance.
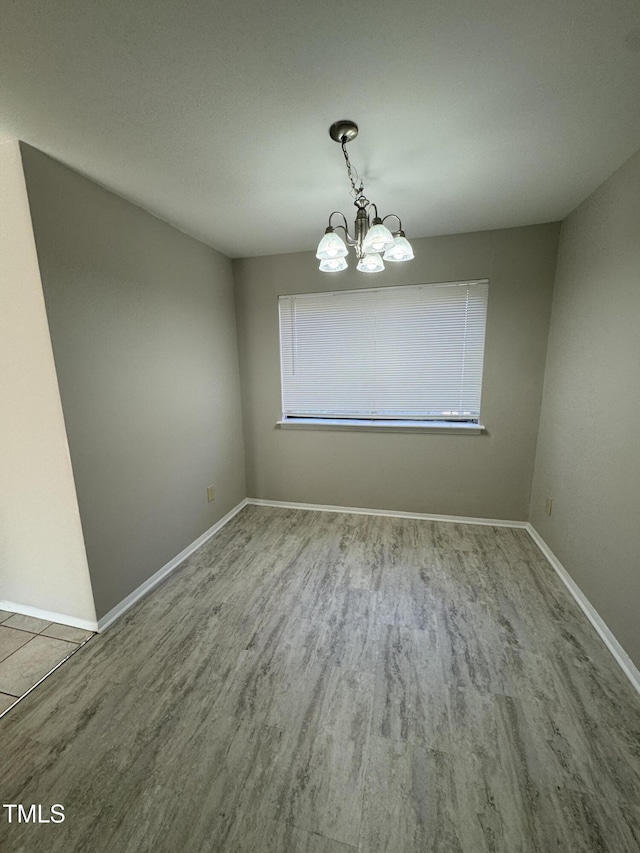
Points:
(214, 116)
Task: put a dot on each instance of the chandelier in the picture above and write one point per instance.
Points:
(371, 237)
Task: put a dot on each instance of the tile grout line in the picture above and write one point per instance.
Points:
(45, 676)
(11, 654)
(24, 645)
(27, 631)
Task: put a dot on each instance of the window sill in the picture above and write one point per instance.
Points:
(448, 427)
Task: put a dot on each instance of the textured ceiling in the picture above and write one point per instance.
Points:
(214, 116)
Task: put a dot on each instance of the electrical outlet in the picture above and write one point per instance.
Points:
(548, 505)
(211, 495)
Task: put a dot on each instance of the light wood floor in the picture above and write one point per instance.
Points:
(325, 683)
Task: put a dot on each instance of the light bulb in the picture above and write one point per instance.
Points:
(333, 265)
(378, 238)
(401, 250)
(371, 262)
(331, 246)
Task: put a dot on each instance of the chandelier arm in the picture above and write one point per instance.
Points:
(395, 216)
(350, 240)
(344, 227)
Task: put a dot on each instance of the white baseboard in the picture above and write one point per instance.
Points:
(606, 635)
(390, 513)
(109, 618)
(49, 615)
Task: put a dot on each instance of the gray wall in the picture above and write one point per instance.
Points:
(588, 457)
(488, 475)
(143, 330)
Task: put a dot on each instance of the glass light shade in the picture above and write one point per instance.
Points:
(370, 263)
(331, 246)
(378, 239)
(401, 250)
(333, 265)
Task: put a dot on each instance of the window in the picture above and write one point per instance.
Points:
(383, 355)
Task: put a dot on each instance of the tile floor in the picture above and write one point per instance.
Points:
(29, 649)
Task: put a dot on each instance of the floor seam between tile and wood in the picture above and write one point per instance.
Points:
(22, 663)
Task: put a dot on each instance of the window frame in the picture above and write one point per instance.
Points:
(455, 425)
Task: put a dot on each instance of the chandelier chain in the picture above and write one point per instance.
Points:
(351, 171)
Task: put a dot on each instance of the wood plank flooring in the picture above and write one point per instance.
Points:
(324, 683)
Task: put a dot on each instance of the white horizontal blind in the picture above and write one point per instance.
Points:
(408, 353)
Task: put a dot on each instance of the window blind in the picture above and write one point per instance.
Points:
(403, 353)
